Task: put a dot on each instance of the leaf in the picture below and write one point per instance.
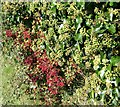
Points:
(53, 9)
(101, 31)
(117, 81)
(78, 23)
(18, 19)
(102, 72)
(111, 16)
(112, 29)
(79, 20)
(108, 67)
(78, 37)
(115, 60)
(111, 3)
(62, 46)
(78, 26)
(117, 91)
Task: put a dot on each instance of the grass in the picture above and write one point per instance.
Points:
(10, 94)
(0, 81)
(7, 75)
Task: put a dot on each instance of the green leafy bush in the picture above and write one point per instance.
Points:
(67, 49)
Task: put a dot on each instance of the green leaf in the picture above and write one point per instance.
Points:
(62, 46)
(111, 3)
(78, 23)
(115, 60)
(78, 26)
(18, 18)
(79, 20)
(102, 72)
(117, 91)
(112, 29)
(108, 67)
(53, 9)
(78, 37)
(117, 81)
(111, 15)
(101, 31)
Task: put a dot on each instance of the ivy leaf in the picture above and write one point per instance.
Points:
(78, 37)
(79, 20)
(78, 23)
(111, 3)
(112, 29)
(62, 46)
(115, 60)
(101, 31)
(111, 15)
(102, 72)
(78, 27)
(53, 9)
(18, 19)
(117, 91)
(108, 67)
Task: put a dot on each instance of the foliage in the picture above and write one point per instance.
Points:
(67, 49)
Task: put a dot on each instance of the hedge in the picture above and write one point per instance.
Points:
(69, 50)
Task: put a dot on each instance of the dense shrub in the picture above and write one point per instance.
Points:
(67, 49)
